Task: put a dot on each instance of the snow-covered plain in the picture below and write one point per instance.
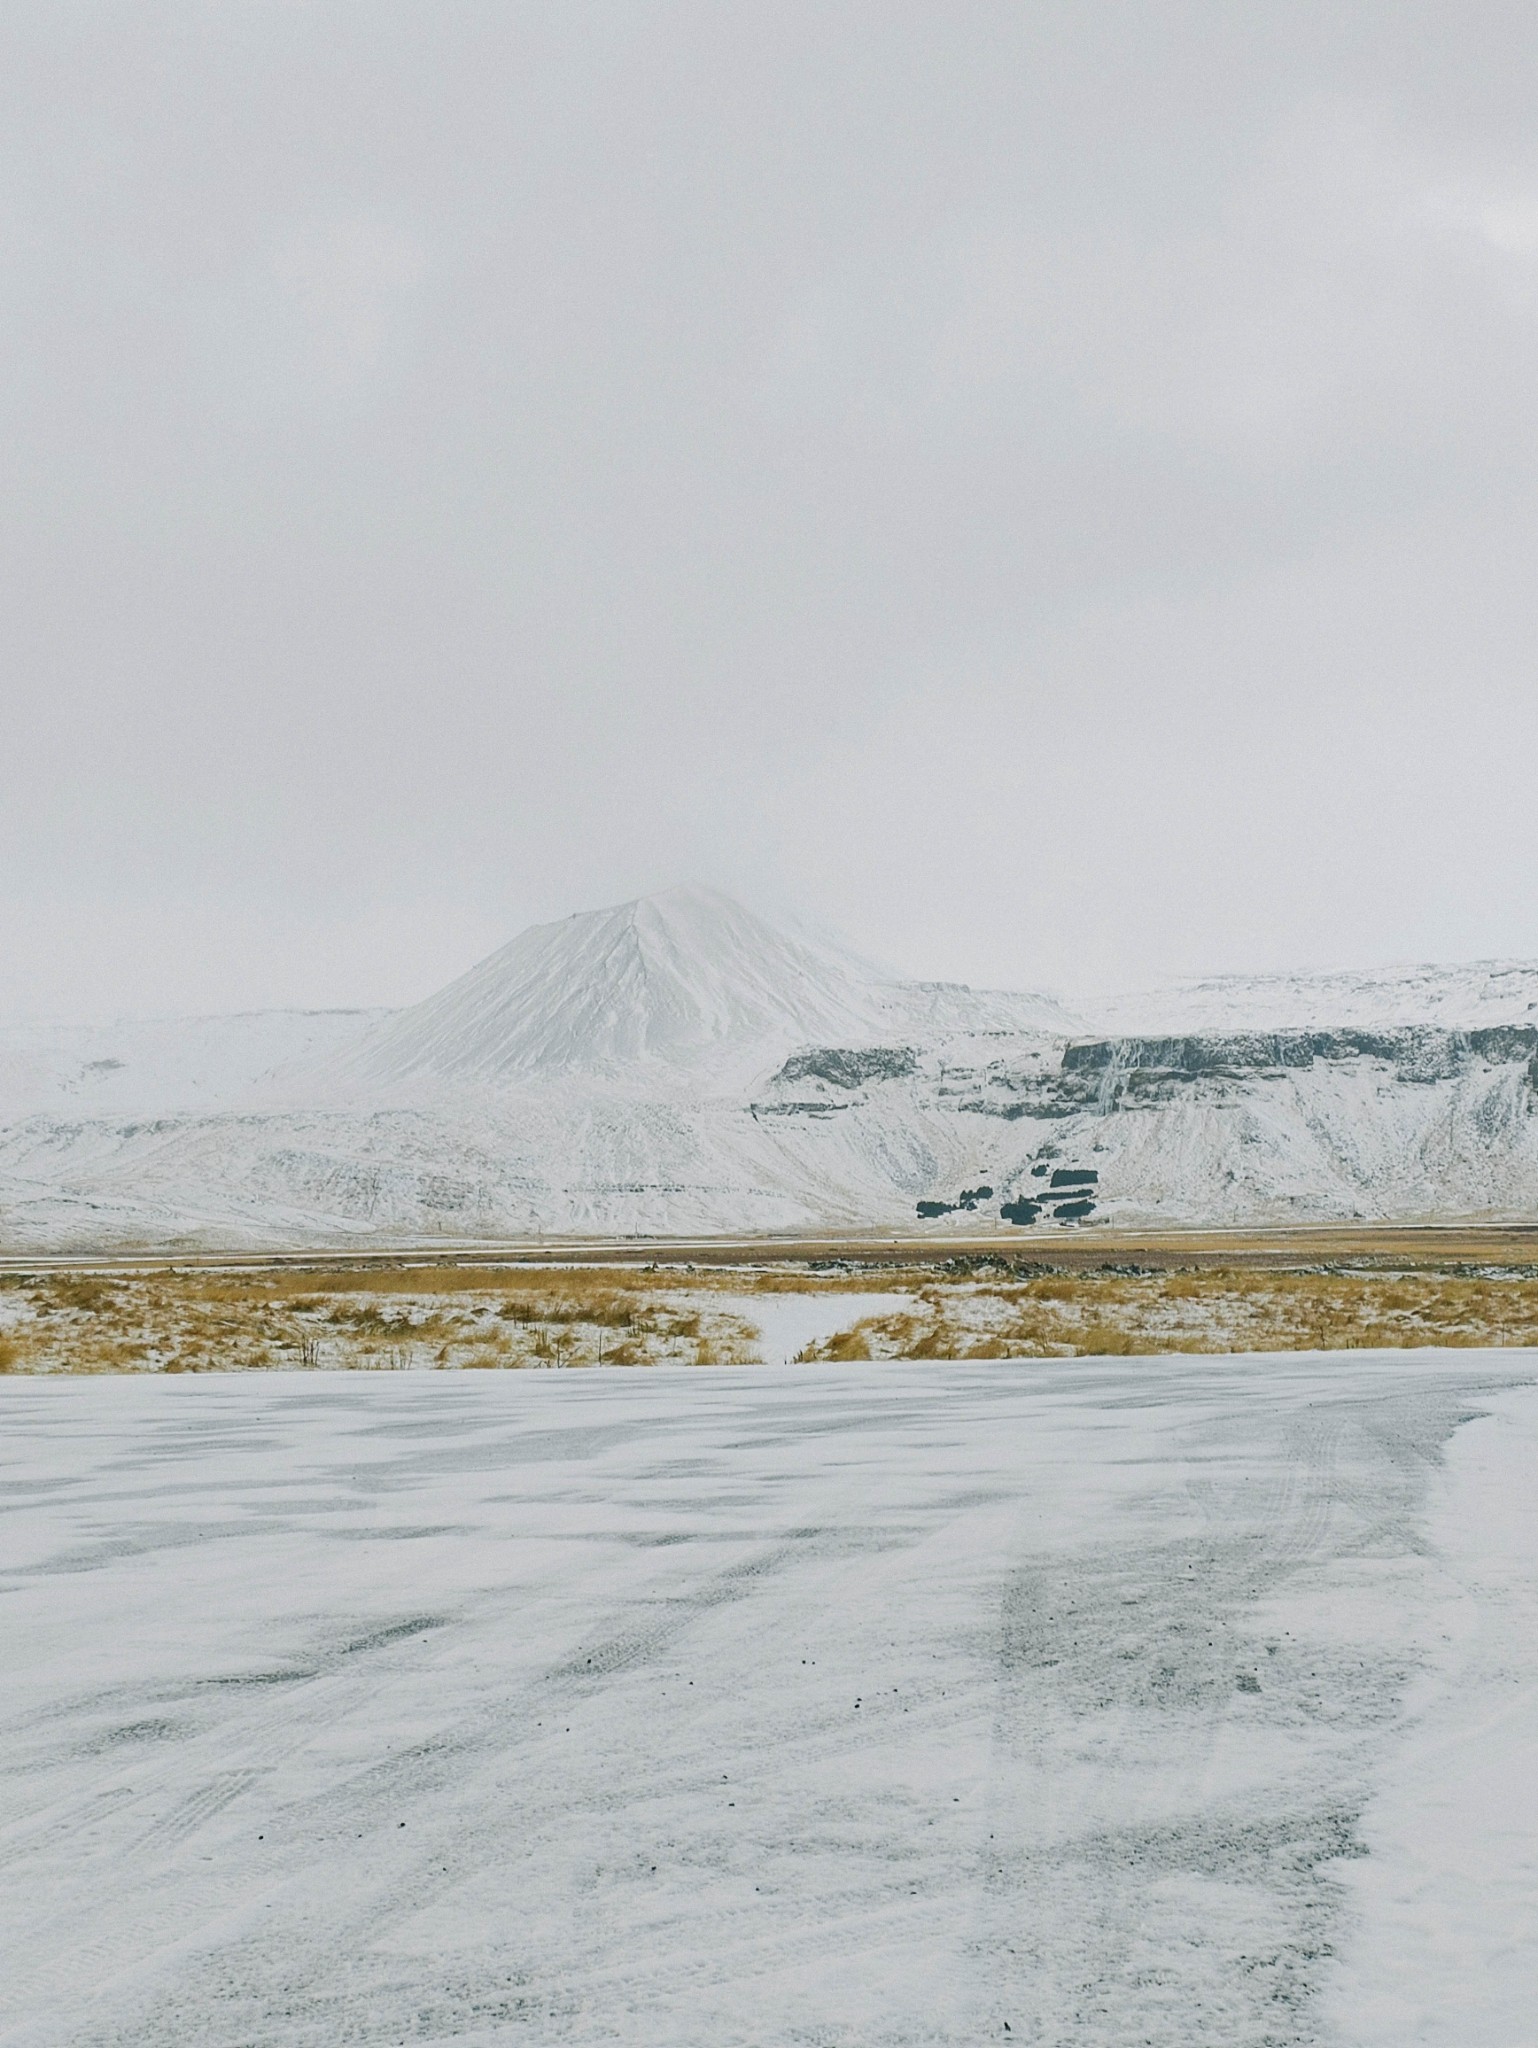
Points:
(1175, 1701)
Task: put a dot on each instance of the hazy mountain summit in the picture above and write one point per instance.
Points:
(686, 980)
(671, 977)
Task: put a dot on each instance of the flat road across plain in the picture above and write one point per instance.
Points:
(1386, 1245)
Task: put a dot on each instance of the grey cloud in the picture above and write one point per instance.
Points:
(1049, 490)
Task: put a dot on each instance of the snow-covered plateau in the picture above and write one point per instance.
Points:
(1186, 1702)
(678, 1065)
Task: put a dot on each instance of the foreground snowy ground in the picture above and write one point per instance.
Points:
(1191, 1700)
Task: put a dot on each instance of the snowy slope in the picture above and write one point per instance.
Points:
(162, 1064)
(1355, 1136)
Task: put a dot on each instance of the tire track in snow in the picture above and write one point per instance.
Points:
(1233, 1875)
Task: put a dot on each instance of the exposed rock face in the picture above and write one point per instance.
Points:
(849, 1066)
(1416, 1054)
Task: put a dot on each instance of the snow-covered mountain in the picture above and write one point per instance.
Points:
(659, 993)
(678, 1064)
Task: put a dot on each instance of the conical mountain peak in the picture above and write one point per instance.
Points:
(676, 978)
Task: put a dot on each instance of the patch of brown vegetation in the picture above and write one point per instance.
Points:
(483, 1317)
(1120, 1315)
(199, 1320)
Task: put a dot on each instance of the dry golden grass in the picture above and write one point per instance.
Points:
(413, 1316)
(200, 1321)
(1090, 1314)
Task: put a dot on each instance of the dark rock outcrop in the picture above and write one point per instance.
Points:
(1417, 1053)
(848, 1066)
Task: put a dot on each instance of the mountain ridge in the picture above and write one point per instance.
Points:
(1454, 996)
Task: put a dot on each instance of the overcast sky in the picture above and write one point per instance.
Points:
(1047, 490)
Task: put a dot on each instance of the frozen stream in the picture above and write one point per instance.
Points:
(1107, 1702)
